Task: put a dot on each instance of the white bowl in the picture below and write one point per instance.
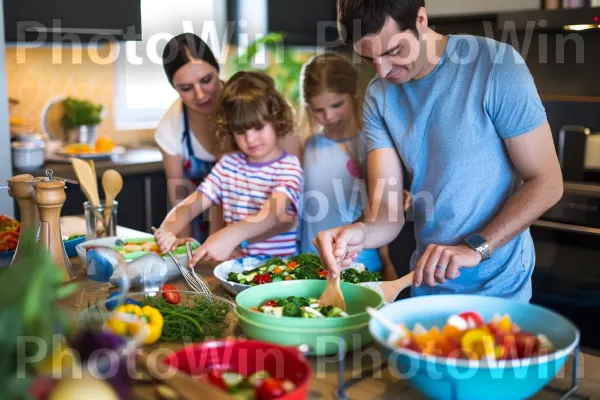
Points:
(28, 156)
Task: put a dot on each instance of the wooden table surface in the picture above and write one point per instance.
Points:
(325, 372)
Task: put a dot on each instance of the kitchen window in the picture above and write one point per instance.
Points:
(142, 93)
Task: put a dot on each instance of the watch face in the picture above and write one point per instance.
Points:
(475, 241)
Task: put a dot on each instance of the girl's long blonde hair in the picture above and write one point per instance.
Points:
(328, 72)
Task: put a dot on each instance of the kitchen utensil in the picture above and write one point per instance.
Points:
(391, 289)
(332, 296)
(246, 357)
(28, 156)
(20, 188)
(49, 197)
(199, 278)
(88, 183)
(102, 264)
(471, 379)
(322, 335)
(112, 183)
(196, 282)
(389, 325)
(186, 386)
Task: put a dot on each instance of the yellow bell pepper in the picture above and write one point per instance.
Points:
(116, 325)
(478, 343)
(155, 322)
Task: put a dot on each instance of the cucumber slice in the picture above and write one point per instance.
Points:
(250, 277)
(244, 394)
(232, 379)
(257, 377)
(241, 276)
(262, 270)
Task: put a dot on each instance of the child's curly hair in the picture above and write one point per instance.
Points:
(250, 100)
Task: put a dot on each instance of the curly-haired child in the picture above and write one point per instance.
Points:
(258, 184)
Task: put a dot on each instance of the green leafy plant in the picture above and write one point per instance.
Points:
(81, 112)
(284, 67)
(29, 292)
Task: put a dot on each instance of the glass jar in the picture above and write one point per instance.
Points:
(98, 222)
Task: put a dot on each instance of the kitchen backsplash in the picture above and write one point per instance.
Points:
(36, 81)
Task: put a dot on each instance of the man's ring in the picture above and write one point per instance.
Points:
(441, 267)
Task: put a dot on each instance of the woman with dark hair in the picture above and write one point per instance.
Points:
(186, 133)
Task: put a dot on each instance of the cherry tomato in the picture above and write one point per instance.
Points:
(472, 318)
(171, 294)
(323, 273)
(270, 388)
(266, 278)
(215, 377)
(270, 303)
(258, 279)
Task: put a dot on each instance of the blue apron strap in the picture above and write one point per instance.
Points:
(186, 133)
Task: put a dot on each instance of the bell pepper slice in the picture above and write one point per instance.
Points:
(155, 322)
(478, 343)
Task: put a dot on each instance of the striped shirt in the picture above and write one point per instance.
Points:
(243, 187)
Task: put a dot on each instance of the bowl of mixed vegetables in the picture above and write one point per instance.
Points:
(479, 347)
(247, 369)
(288, 314)
(9, 237)
(242, 273)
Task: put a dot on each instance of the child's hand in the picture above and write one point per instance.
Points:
(216, 248)
(165, 240)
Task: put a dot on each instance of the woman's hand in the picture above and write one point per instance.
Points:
(218, 247)
(166, 240)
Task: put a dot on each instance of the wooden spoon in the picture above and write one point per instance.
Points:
(112, 182)
(87, 182)
(186, 386)
(391, 289)
(332, 296)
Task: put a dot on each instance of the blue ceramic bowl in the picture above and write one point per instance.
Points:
(442, 378)
(70, 246)
(6, 258)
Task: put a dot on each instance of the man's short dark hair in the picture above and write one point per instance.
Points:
(372, 15)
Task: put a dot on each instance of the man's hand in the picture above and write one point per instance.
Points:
(218, 247)
(450, 259)
(340, 246)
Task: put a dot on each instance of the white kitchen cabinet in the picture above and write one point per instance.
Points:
(440, 8)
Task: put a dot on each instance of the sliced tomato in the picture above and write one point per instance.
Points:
(323, 274)
(473, 319)
(527, 345)
(171, 294)
(270, 388)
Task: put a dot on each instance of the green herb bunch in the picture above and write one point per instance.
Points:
(29, 291)
(81, 112)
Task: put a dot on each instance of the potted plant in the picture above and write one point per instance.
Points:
(80, 120)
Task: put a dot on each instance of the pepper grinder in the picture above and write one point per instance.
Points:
(50, 196)
(20, 188)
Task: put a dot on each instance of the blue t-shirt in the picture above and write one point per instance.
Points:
(448, 129)
(334, 194)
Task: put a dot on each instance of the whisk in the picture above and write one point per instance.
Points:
(195, 281)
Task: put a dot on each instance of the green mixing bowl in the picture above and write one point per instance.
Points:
(321, 334)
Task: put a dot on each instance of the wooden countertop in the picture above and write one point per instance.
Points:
(135, 161)
(325, 372)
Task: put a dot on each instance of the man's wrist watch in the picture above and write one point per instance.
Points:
(479, 244)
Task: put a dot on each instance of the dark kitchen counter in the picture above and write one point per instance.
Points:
(135, 161)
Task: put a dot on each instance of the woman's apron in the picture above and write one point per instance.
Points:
(195, 170)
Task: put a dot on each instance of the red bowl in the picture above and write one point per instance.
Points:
(246, 357)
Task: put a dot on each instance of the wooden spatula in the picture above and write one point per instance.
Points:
(391, 289)
(186, 386)
(332, 296)
(112, 183)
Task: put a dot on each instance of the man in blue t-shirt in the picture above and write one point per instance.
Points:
(463, 114)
